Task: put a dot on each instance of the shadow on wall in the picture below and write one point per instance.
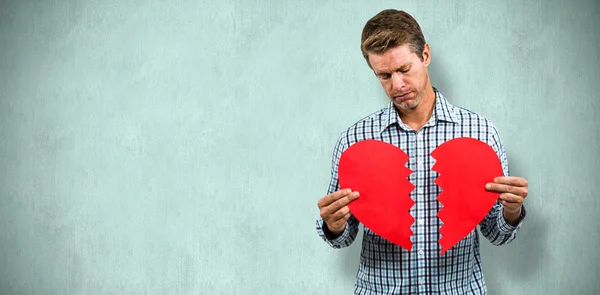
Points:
(521, 260)
(438, 72)
(351, 257)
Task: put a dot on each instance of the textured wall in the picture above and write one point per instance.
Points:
(180, 148)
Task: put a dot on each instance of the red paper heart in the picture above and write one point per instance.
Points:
(465, 165)
(377, 171)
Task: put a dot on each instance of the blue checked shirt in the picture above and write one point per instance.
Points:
(386, 268)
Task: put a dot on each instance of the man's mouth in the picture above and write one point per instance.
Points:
(402, 96)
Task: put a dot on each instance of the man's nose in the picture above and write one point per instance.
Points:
(397, 82)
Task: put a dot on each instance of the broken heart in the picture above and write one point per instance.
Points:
(378, 171)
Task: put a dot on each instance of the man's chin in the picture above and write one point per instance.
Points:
(406, 104)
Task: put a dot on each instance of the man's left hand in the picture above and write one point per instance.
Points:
(513, 191)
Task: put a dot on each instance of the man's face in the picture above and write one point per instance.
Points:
(403, 75)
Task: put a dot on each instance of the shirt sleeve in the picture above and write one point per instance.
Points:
(494, 227)
(351, 230)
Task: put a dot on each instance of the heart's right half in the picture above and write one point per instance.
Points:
(465, 166)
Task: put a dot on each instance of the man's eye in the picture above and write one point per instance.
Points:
(384, 77)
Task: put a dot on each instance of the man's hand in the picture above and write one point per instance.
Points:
(513, 191)
(334, 210)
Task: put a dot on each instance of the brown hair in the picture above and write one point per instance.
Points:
(391, 28)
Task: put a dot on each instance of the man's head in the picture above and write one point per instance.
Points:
(394, 47)
(391, 28)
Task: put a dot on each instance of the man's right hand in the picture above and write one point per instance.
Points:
(334, 210)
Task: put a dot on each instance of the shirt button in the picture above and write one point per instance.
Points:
(420, 221)
(421, 281)
(420, 135)
(421, 252)
(420, 191)
(420, 163)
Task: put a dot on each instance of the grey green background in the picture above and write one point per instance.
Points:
(154, 147)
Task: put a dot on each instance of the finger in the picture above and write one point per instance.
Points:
(511, 198)
(342, 202)
(342, 221)
(511, 205)
(331, 209)
(347, 216)
(512, 180)
(339, 214)
(503, 188)
(338, 224)
(327, 200)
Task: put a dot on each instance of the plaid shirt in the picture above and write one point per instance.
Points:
(386, 268)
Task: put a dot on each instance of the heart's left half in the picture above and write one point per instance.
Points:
(377, 170)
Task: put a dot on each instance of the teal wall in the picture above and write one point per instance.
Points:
(180, 148)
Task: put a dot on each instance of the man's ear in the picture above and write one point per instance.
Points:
(426, 55)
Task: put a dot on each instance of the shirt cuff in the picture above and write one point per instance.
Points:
(505, 227)
(337, 242)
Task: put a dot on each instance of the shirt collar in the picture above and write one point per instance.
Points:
(442, 111)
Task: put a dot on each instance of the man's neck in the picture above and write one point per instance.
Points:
(419, 116)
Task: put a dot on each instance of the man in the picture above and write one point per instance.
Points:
(417, 120)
